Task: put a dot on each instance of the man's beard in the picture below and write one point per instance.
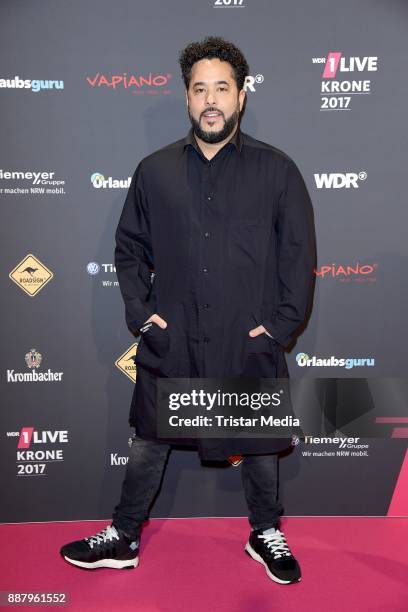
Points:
(214, 137)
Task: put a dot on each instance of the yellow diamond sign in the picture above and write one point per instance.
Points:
(31, 275)
(126, 362)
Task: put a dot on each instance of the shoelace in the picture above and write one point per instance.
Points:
(103, 536)
(276, 543)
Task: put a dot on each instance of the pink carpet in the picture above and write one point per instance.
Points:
(198, 565)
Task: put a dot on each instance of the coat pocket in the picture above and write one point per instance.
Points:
(153, 347)
(261, 343)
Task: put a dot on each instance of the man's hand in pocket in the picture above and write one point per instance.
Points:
(257, 331)
(158, 320)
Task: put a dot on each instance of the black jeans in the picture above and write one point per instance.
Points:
(144, 471)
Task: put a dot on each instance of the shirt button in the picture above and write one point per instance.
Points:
(206, 306)
(206, 339)
(207, 235)
(209, 198)
(205, 270)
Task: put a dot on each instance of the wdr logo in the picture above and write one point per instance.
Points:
(338, 180)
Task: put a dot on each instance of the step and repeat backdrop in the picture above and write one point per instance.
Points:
(87, 89)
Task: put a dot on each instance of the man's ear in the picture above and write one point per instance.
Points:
(242, 95)
(186, 97)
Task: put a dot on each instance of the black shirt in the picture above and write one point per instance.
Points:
(208, 173)
(231, 242)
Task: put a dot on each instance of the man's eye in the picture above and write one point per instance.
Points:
(200, 89)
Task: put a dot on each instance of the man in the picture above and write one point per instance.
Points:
(226, 224)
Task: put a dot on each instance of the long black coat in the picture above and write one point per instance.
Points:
(242, 248)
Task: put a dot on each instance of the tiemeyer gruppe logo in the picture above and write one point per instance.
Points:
(339, 79)
(344, 447)
(348, 273)
(34, 85)
(305, 361)
(36, 449)
(33, 361)
(149, 83)
(339, 180)
(99, 181)
(94, 269)
(40, 183)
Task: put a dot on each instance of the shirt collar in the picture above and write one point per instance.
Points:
(236, 140)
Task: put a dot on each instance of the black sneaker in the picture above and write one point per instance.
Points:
(108, 548)
(271, 549)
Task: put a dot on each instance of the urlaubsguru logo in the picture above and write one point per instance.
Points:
(34, 85)
(305, 361)
(99, 181)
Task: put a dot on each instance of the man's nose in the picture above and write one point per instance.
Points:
(210, 98)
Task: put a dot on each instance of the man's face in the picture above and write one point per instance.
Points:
(213, 100)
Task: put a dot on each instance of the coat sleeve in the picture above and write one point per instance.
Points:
(134, 254)
(296, 258)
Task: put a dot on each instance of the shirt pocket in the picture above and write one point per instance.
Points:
(243, 243)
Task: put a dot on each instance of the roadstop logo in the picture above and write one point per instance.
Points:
(31, 275)
(303, 360)
(126, 362)
(43, 183)
(32, 452)
(33, 361)
(337, 93)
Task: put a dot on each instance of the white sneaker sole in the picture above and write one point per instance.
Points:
(258, 558)
(110, 563)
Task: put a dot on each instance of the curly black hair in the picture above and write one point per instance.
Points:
(214, 47)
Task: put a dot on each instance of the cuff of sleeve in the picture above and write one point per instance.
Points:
(137, 313)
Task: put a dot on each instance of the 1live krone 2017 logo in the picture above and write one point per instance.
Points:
(343, 78)
(36, 449)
